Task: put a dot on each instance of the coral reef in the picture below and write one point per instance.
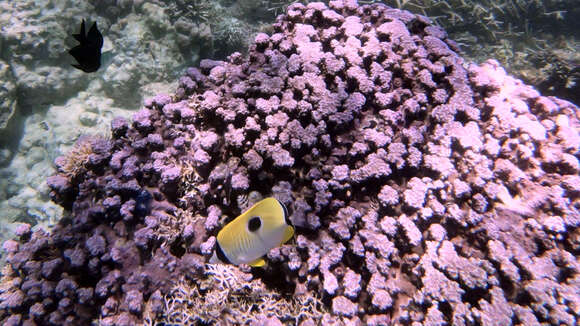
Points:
(46, 104)
(529, 37)
(7, 96)
(492, 20)
(228, 295)
(49, 104)
(558, 73)
(423, 190)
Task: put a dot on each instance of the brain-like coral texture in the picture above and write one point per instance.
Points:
(424, 191)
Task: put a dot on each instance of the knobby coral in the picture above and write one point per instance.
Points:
(424, 190)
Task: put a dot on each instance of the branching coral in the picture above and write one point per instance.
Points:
(85, 150)
(231, 296)
(169, 228)
(188, 191)
(559, 71)
(489, 18)
(279, 6)
(245, 201)
(196, 10)
(232, 31)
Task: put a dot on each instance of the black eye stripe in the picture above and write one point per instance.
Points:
(254, 223)
(220, 253)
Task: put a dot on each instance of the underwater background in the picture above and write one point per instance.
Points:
(46, 105)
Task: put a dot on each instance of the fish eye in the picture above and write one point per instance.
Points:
(254, 223)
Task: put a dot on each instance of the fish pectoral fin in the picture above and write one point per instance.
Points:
(260, 262)
(76, 52)
(288, 234)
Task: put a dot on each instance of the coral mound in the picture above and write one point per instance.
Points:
(424, 190)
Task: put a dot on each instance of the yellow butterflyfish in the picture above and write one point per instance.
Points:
(249, 237)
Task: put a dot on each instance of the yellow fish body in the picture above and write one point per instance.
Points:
(249, 237)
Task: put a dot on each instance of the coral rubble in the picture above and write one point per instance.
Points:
(424, 190)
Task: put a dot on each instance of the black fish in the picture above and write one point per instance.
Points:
(88, 52)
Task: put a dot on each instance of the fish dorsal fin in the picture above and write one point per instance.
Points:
(82, 36)
(95, 36)
(260, 262)
(94, 30)
(288, 234)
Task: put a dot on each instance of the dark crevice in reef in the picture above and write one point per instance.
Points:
(472, 296)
